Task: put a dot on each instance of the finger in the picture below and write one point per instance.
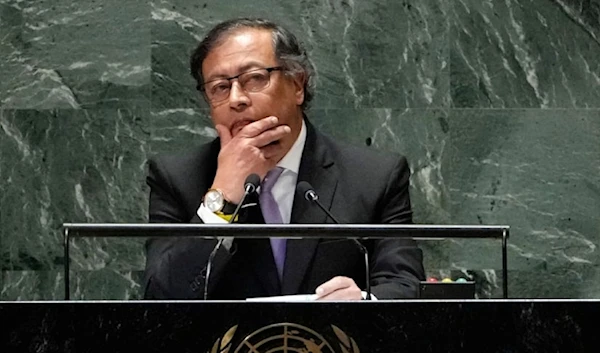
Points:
(351, 293)
(257, 127)
(334, 284)
(271, 135)
(224, 134)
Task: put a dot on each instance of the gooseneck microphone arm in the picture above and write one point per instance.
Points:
(310, 195)
(250, 185)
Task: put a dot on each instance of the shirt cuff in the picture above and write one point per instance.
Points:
(209, 217)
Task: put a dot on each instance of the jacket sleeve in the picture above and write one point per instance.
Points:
(396, 264)
(175, 267)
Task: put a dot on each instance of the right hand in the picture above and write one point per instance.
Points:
(251, 150)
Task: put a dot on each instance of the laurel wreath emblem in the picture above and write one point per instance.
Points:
(223, 344)
(347, 344)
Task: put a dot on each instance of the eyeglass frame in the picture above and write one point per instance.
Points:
(201, 87)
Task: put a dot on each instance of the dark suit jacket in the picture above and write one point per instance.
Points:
(358, 186)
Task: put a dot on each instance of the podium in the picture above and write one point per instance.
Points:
(394, 326)
(491, 326)
(299, 231)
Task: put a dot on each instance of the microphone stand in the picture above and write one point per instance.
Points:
(311, 195)
(250, 186)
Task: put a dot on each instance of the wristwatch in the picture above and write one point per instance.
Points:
(214, 201)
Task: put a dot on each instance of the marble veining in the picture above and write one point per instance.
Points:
(495, 104)
(74, 55)
(524, 53)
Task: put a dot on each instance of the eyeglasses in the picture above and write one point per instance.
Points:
(251, 81)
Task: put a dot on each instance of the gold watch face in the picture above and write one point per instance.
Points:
(213, 200)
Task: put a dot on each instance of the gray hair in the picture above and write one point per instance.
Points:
(288, 51)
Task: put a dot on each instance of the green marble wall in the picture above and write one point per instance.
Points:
(496, 104)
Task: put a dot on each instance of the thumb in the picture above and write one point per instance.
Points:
(224, 134)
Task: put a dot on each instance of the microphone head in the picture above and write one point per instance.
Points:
(307, 191)
(251, 183)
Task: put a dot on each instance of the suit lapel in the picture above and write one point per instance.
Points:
(315, 168)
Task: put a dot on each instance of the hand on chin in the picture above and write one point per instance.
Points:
(238, 126)
(274, 151)
(256, 148)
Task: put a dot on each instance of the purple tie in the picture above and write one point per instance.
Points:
(271, 214)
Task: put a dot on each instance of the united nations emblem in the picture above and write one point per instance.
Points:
(285, 337)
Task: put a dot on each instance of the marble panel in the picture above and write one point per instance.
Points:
(103, 284)
(179, 130)
(525, 53)
(82, 54)
(32, 285)
(368, 54)
(71, 166)
(537, 171)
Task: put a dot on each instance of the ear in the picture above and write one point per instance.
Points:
(298, 81)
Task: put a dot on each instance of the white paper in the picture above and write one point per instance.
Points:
(286, 298)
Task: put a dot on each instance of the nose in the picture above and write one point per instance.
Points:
(238, 98)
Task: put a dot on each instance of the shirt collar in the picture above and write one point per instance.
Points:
(291, 160)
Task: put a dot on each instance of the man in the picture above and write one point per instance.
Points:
(258, 82)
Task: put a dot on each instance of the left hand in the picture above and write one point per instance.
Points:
(339, 288)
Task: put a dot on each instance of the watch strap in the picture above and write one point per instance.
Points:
(228, 208)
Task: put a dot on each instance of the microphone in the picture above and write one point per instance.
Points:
(250, 185)
(311, 195)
